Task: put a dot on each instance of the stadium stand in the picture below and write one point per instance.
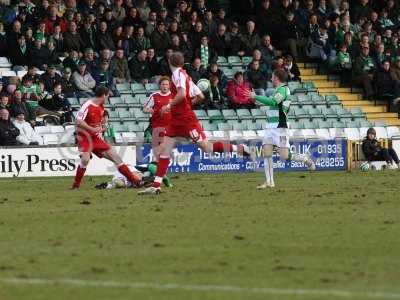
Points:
(323, 104)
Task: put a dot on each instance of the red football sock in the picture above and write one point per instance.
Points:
(220, 147)
(162, 169)
(124, 170)
(80, 172)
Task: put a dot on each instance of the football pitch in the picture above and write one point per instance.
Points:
(326, 235)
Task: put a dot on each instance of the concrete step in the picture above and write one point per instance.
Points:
(326, 84)
(346, 96)
(340, 90)
(388, 121)
(308, 72)
(382, 115)
(314, 77)
(374, 109)
(358, 103)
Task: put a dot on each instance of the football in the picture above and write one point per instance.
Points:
(203, 85)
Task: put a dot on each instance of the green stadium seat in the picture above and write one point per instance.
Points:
(364, 123)
(246, 60)
(320, 123)
(357, 112)
(138, 88)
(120, 127)
(379, 123)
(133, 127)
(130, 100)
(229, 114)
(296, 125)
(209, 127)
(139, 114)
(301, 113)
(253, 126)
(317, 99)
(261, 123)
(201, 114)
(351, 124)
(224, 127)
(123, 88)
(215, 114)
(244, 114)
(73, 101)
(307, 124)
(309, 86)
(304, 99)
(238, 69)
(338, 124)
(315, 112)
(151, 87)
(125, 115)
(293, 100)
(113, 115)
(258, 113)
(234, 61)
(222, 61)
(342, 112)
(239, 126)
(117, 102)
(328, 112)
(230, 73)
(83, 100)
(332, 99)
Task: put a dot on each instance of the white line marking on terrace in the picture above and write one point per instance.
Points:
(203, 288)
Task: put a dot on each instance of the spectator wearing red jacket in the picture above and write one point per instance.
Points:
(236, 92)
(52, 20)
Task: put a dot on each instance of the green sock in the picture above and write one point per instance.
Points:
(153, 169)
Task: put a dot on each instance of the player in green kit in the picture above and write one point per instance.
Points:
(276, 131)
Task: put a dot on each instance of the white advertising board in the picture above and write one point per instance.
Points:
(57, 161)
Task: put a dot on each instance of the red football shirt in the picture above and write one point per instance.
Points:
(91, 113)
(182, 113)
(156, 101)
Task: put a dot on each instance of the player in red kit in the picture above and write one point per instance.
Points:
(184, 124)
(159, 122)
(90, 140)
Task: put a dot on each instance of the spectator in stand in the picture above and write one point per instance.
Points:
(290, 35)
(153, 64)
(267, 50)
(8, 131)
(250, 39)
(67, 84)
(196, 34)
(139, 68)
(102, 75)
(267, 17)
(217, 99)
(30, 91)
(164, 65)
(119, 67)
(210, 25)
(27, 136)
(58, 104)
(265, 68)
(19, 55)
(184, 48)
(72, 60)
(90, 60)
(83, 81)
(291, 68)
(256, 78)
(343, 64)
(140, 41)
(50, 77)
(72, 39)
(237, 46)
(17, 105)
(151, 23)
(143, 9)
(118, 11)
(374, 152)
(196, 71)
(4, 101)
(236, 92)
(308, 15)
(160, 39)
(206, 53)
(380, 56)
(88, 35)
(386, 85)
(133, 18)
(319, 47)
(103, 37)
(363, 73)
(53, 20)
(219, 41)
(214, 70)
(39, 56)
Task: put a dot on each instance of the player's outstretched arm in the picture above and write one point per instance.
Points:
(268, 101)
(180, 95)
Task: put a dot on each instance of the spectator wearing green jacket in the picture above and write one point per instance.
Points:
(363, 72)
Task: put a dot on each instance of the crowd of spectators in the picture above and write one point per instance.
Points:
(68, 47)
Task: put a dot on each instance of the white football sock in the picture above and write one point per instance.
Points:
(269, 169)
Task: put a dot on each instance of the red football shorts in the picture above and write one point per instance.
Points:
(92, 144)
(192, 131)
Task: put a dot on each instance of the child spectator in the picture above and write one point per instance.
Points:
(109, 133)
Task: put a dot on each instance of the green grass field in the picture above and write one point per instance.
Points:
(329, 235)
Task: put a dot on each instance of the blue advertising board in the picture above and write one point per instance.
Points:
(188, 158)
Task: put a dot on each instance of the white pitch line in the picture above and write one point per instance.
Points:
(204, 288)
